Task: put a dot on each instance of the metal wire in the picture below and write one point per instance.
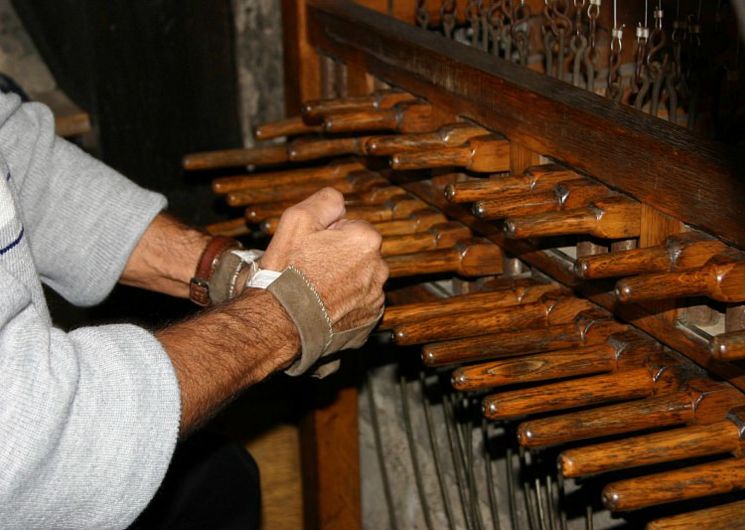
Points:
(455, 453)
(490, 485)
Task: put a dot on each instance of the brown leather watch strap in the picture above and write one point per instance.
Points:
(199, 287)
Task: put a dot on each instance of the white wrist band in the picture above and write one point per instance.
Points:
(259, 278)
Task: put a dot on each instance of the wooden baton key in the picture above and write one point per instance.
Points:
(231, 228)
(265, 155)
(564, 196)
(489, 153)
(444, 235)
(407, 117)
(465, 303)
(535, 178)
(612, 218)
(721, 278)
(354, 182)
(633, 383)
(692, 482)
(257, 213)
(336, 170)
(548, 311)
(305, 149)
(315, 111)
(418, 221)
(474, 257)
(620, 351)
(702, 400)
(454, 134)
(583, 330)
(729, 346)
(292, 126)
(399, 207)
(723, 517)
(683, 251)
(712, 435)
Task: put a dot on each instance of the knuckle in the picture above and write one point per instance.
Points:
(330, 194)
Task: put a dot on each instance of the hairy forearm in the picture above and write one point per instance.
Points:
(223, 350)
(166, 257)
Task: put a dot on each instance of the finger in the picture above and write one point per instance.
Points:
(360, 231)
(320, 210)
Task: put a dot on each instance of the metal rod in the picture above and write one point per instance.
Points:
(490, 484)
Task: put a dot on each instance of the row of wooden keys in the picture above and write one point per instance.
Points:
(520, 332)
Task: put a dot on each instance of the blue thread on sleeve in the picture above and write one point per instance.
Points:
(13, 244)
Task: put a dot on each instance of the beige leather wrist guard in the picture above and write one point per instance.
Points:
(306, 309)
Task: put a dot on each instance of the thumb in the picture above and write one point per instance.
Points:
(319, 211)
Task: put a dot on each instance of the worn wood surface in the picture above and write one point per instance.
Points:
(417, 222)
(407, 117)
(620, 351)
(399, 207)
(724, 517)
(267, 155)
(611, 218)
(729, 346)
(485, 154)
(675, 486)
(582, 330)
(468, 258)
(440, 236)
(305, 149)
(292, 126)
(667, 446)
(316, 110)
(449, 135)
(655, 162)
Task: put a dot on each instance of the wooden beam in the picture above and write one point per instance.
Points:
(656, 162)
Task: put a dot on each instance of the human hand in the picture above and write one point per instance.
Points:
(341, 258)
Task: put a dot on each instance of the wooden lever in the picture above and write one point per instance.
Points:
(564, 196)
(490, 153)
(266, 155)
(305, 149)
(619, 351)
(723, 517)
(257, 213)
(583, 330)
(288, 127)
(729, 346)
(407, 117)
(333, 171)
(396, 208)
(692, 482)
(628, 384)
(712, 436)
(450, 135)
(536, 178)
(612, 218)
(682, 251)
(418, 221)
(231, 228)
(475, 257)
(315, 111)
(354, 182)
(444, 235)
(548, 311)
(702, 400)
(486, 301)
(722, 278)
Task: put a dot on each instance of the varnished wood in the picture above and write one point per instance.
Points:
(669, 409)
(257, 213)
(231, 228)
(611, 218)
(399, 207)
(468, 258)
(486, 301)
(632, 383)
(292, 126)
(418, 221)
(314, 111)
(266, 155)
(444, 235)
(305, 149)
(721, 279)
(668, 446)
(729, 346)
(488, 154)
(550, 310)
(723, 517)
(535, 178)
(564, 196)
(358, 181)
(450, 135)
(333, 171)
(493, 92)
(682, 251)
(675, 486)
(404, 117)
(581, 331)
(618, 352)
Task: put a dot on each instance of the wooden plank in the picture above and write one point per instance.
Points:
(302, 66)
(661, 164)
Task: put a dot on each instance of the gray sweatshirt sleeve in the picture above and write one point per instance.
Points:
(82, 218)
(88, 419)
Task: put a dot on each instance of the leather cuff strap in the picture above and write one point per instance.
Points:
(201, 283)
(307, 311)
